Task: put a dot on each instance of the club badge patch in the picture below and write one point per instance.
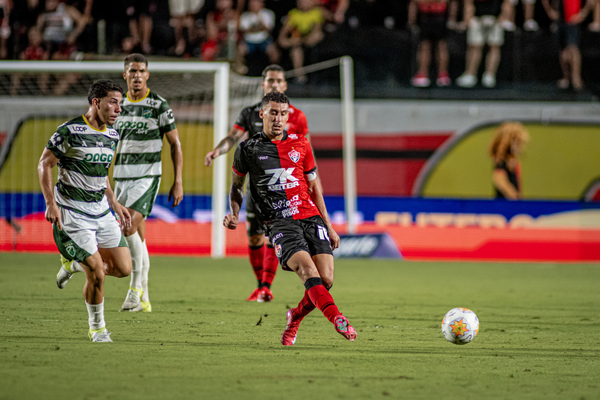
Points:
(278, 250)
(70, 250)
(294, 156)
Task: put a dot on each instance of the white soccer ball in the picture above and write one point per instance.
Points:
(460, 325)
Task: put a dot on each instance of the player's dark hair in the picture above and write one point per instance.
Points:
(272, 67)
(101, 88)
(136, 58)
(275, 97)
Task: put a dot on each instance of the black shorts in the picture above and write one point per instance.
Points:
(568, 34)
(290, 236)
(433, 29)
(253, 224)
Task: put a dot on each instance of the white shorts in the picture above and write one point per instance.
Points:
(485, 30)
(179, 8)
(138, 194)
(81, 236)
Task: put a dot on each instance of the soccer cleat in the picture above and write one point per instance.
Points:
(64, 273)
(265, 295)
(344, 328)
(101, 335)
(288, 337)
(144, 306)
(254, 295)
(133, 299)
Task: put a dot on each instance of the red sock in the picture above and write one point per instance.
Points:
(304, 307)
(270, 263)
(256, 260)
(320, 297)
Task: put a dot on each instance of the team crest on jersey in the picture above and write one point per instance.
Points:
(147, 114)
(278, 250)
(294, 156)
(112, 145)
(292, 135)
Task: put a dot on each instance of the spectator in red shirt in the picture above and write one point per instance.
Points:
(34, 51)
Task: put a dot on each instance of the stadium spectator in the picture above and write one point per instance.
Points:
(432, 20)
(507, 144)
(569, 14)
(88, 39)
(595, 24)
(182, 13)
(294, 213)
(256, 26)
(302, 30)
(85, 231)
(483, 18)
(5, 31)
(24, 15)
(34, 51)
(334, 11)
(218, 23)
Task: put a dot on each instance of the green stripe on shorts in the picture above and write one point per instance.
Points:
(67, 247)
(144, 204)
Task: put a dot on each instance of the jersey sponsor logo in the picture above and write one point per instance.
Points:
(78, 128)
(147, 114)
(99, 144)
(278, 250)
(292, 136)
(294, 156)
(263, 157)
(152, 103)
(56, 139)
(288, 212)
(293, 202)
(133, 125)
(323, 234)
(98, 158)
(282, 175)
(258, 124)
(278, 236)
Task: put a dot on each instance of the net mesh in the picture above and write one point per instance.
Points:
(33, 105)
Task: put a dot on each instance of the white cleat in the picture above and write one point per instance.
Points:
(64, 273)
(102, 336)
(133, 299)
(144, 306)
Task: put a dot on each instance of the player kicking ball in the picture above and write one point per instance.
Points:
(283, 182)
(86, 233)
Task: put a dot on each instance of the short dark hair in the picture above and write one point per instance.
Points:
(136, 57)
(101, 88)
(275, 97)
(272, 67)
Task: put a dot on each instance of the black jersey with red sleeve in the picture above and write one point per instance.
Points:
(249, 121)
(278, 169)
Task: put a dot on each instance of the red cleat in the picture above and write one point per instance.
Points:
(254, 295)
(288, 337)
(264, 295)
(344, 328)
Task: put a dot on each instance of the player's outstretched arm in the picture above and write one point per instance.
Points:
(45, 165)
(316, 194)
(224, 145)
(120, 210)
(176, 192)
(236, 197)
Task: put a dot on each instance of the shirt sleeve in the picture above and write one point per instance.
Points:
(59, 142)
(166, 120)
(309, 159)
(243, 120)
(240, 164)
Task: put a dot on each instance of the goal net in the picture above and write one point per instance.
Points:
(36, 97)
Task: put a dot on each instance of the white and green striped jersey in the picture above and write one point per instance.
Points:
(142, 125)
(84, 155)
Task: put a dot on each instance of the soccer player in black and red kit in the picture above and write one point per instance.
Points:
(283, 183)
(262, 258)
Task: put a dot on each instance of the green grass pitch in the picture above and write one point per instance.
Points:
(539, 336)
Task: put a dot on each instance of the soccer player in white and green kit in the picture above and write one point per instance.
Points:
(86, 233)
(145, 120)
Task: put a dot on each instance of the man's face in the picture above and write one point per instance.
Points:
(274, 82)
(136, 74)
(275, 116)
(109, 107)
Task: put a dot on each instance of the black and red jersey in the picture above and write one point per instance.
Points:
(278, 172)
(249, 121)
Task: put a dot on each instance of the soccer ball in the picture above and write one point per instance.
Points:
(460, 325)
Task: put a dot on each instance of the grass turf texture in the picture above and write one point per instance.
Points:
(539, 336)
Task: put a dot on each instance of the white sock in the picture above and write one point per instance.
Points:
(96, 315)
(76, 267)
(145, 269)
(136, 249)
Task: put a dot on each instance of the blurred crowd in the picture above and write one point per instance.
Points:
(253, 33)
